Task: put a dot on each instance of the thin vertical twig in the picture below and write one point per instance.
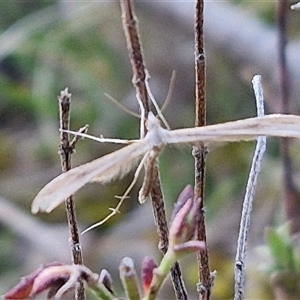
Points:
(140, 83)
(66, 149)
(283, 68)
(200, 152)
(249, 197)
(135, 53)
(290, 197)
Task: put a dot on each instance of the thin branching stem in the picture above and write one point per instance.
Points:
(200, 152)
(140, 83)
(249, 197)
(66, 149)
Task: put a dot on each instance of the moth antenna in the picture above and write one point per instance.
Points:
(121, 106)
(170, 91)
(116, 210)
(158, 110)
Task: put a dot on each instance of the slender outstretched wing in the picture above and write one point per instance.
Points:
(241, 130)
(104, 169)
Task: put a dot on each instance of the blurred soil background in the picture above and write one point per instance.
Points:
(46, 46)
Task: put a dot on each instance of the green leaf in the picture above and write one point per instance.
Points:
(281, 249)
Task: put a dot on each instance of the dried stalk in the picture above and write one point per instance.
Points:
(135, 53)
(66, 149)
(200, 152)
(290, 197)
(139, 81)
(249, 197)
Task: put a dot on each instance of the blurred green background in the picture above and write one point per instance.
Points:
(46, 46)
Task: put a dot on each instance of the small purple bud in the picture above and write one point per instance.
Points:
(187, 193)
(48, 276)
(106, 279)
(183, 226)
(148, 265)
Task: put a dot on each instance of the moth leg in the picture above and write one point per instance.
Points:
(116, 209)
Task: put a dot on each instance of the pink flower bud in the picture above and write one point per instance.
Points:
(46, 276)
(148, 265)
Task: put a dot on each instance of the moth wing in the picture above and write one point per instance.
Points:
(123, 170)
(105, 167)
(241, 130)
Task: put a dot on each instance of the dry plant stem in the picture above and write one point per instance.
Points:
(200, 152)
(249, 197)
(283, 68)
(65, 154)
(135, 53)
(290, 197)
(139, 81)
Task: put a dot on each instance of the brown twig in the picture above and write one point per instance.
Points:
(291, 196)
(200, 152)
(66, 149)
(135, 53)
(282, 42)
(139, 81)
